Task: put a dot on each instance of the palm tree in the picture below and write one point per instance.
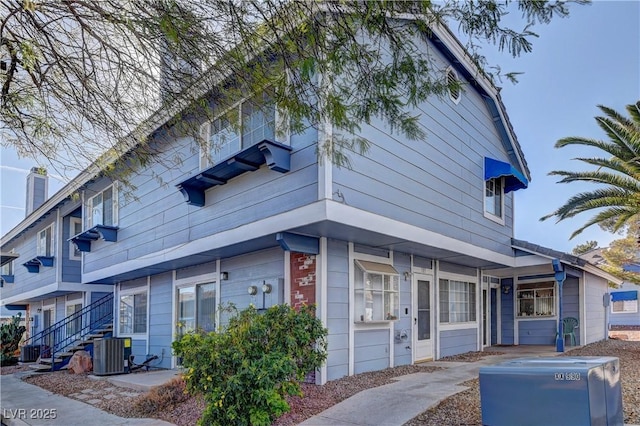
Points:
(617, 202)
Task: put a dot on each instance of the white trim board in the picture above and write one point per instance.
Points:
(323, 210)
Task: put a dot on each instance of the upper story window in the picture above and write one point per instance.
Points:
(7, 268)
(457, 301)
(454, 84)
(244, 125)
(494, 198)
(45, 242)
(75, 227)
(536, 300)
(102, 208)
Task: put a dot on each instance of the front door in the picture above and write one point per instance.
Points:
(423, 318)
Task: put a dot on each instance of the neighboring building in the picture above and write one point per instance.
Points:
(624, 305)
(409, 254)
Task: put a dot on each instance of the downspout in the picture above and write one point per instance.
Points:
(560, 276)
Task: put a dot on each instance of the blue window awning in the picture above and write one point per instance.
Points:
(275, 155)
(624, 295)
(513, 179)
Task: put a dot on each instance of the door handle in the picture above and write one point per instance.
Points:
(415, 320)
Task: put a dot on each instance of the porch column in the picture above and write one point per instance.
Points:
(560, 276)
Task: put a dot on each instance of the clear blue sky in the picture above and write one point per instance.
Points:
(590, 58)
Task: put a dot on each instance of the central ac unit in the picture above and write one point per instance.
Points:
(110, 356)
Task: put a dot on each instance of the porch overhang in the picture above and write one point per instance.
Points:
(324, 218)
(50, 291)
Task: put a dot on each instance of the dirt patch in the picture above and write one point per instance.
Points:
(464, 408)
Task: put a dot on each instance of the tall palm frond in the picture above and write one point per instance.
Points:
(618, 202)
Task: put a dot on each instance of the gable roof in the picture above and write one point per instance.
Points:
(566, 258)
(442, 37)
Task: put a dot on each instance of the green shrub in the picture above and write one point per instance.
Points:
(246, 371)
(10, 336)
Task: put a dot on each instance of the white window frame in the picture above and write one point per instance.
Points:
(74, 253)
(281, 130)
(452, 72)
(390, 304)
(490, 214)
(469, 280)
(133, 292)
(90, 207)
(544, 286)
(8, 268)
(42, 244)
(195, 284)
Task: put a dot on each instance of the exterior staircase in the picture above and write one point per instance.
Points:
(57, 344)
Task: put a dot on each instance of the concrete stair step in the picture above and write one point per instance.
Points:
(40, 367)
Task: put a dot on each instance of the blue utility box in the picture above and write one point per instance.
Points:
(548, 391)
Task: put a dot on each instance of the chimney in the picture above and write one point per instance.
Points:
(37, 189)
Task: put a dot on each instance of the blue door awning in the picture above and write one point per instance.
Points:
(513, 179)
(624, 295)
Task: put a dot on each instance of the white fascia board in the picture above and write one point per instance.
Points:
(23, 298)
(312, 213)
(352, 216)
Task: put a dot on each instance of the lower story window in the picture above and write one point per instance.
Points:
(457, 301)
(197, 308)
(536, 300)
(133, 313)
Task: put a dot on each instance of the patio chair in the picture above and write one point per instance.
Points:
(569, 326)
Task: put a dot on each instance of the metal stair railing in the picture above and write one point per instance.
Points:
(77, 326)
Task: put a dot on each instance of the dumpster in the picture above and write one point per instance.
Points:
(549, 391)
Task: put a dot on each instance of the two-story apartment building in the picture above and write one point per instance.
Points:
(41, 270)
(408, 254)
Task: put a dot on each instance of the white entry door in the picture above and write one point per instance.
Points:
(423, 317)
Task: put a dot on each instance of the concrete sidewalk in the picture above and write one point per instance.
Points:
(25, 404)
(401, 401)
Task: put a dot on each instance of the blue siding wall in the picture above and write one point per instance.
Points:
(160, 210)
(160, 316)
(571, 303)
(402, 349)
(453, 342)
(338, 309)
(537, 332)
(194, 271)
(371, 350)
(506, 303)
(436, 183)
(71, 269)
(139, 350)
(252, 269)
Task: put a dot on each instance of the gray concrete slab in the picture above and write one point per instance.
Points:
(25, 404)
(143, 380)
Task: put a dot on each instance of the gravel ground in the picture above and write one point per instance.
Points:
(460, 409)
(464, 407)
